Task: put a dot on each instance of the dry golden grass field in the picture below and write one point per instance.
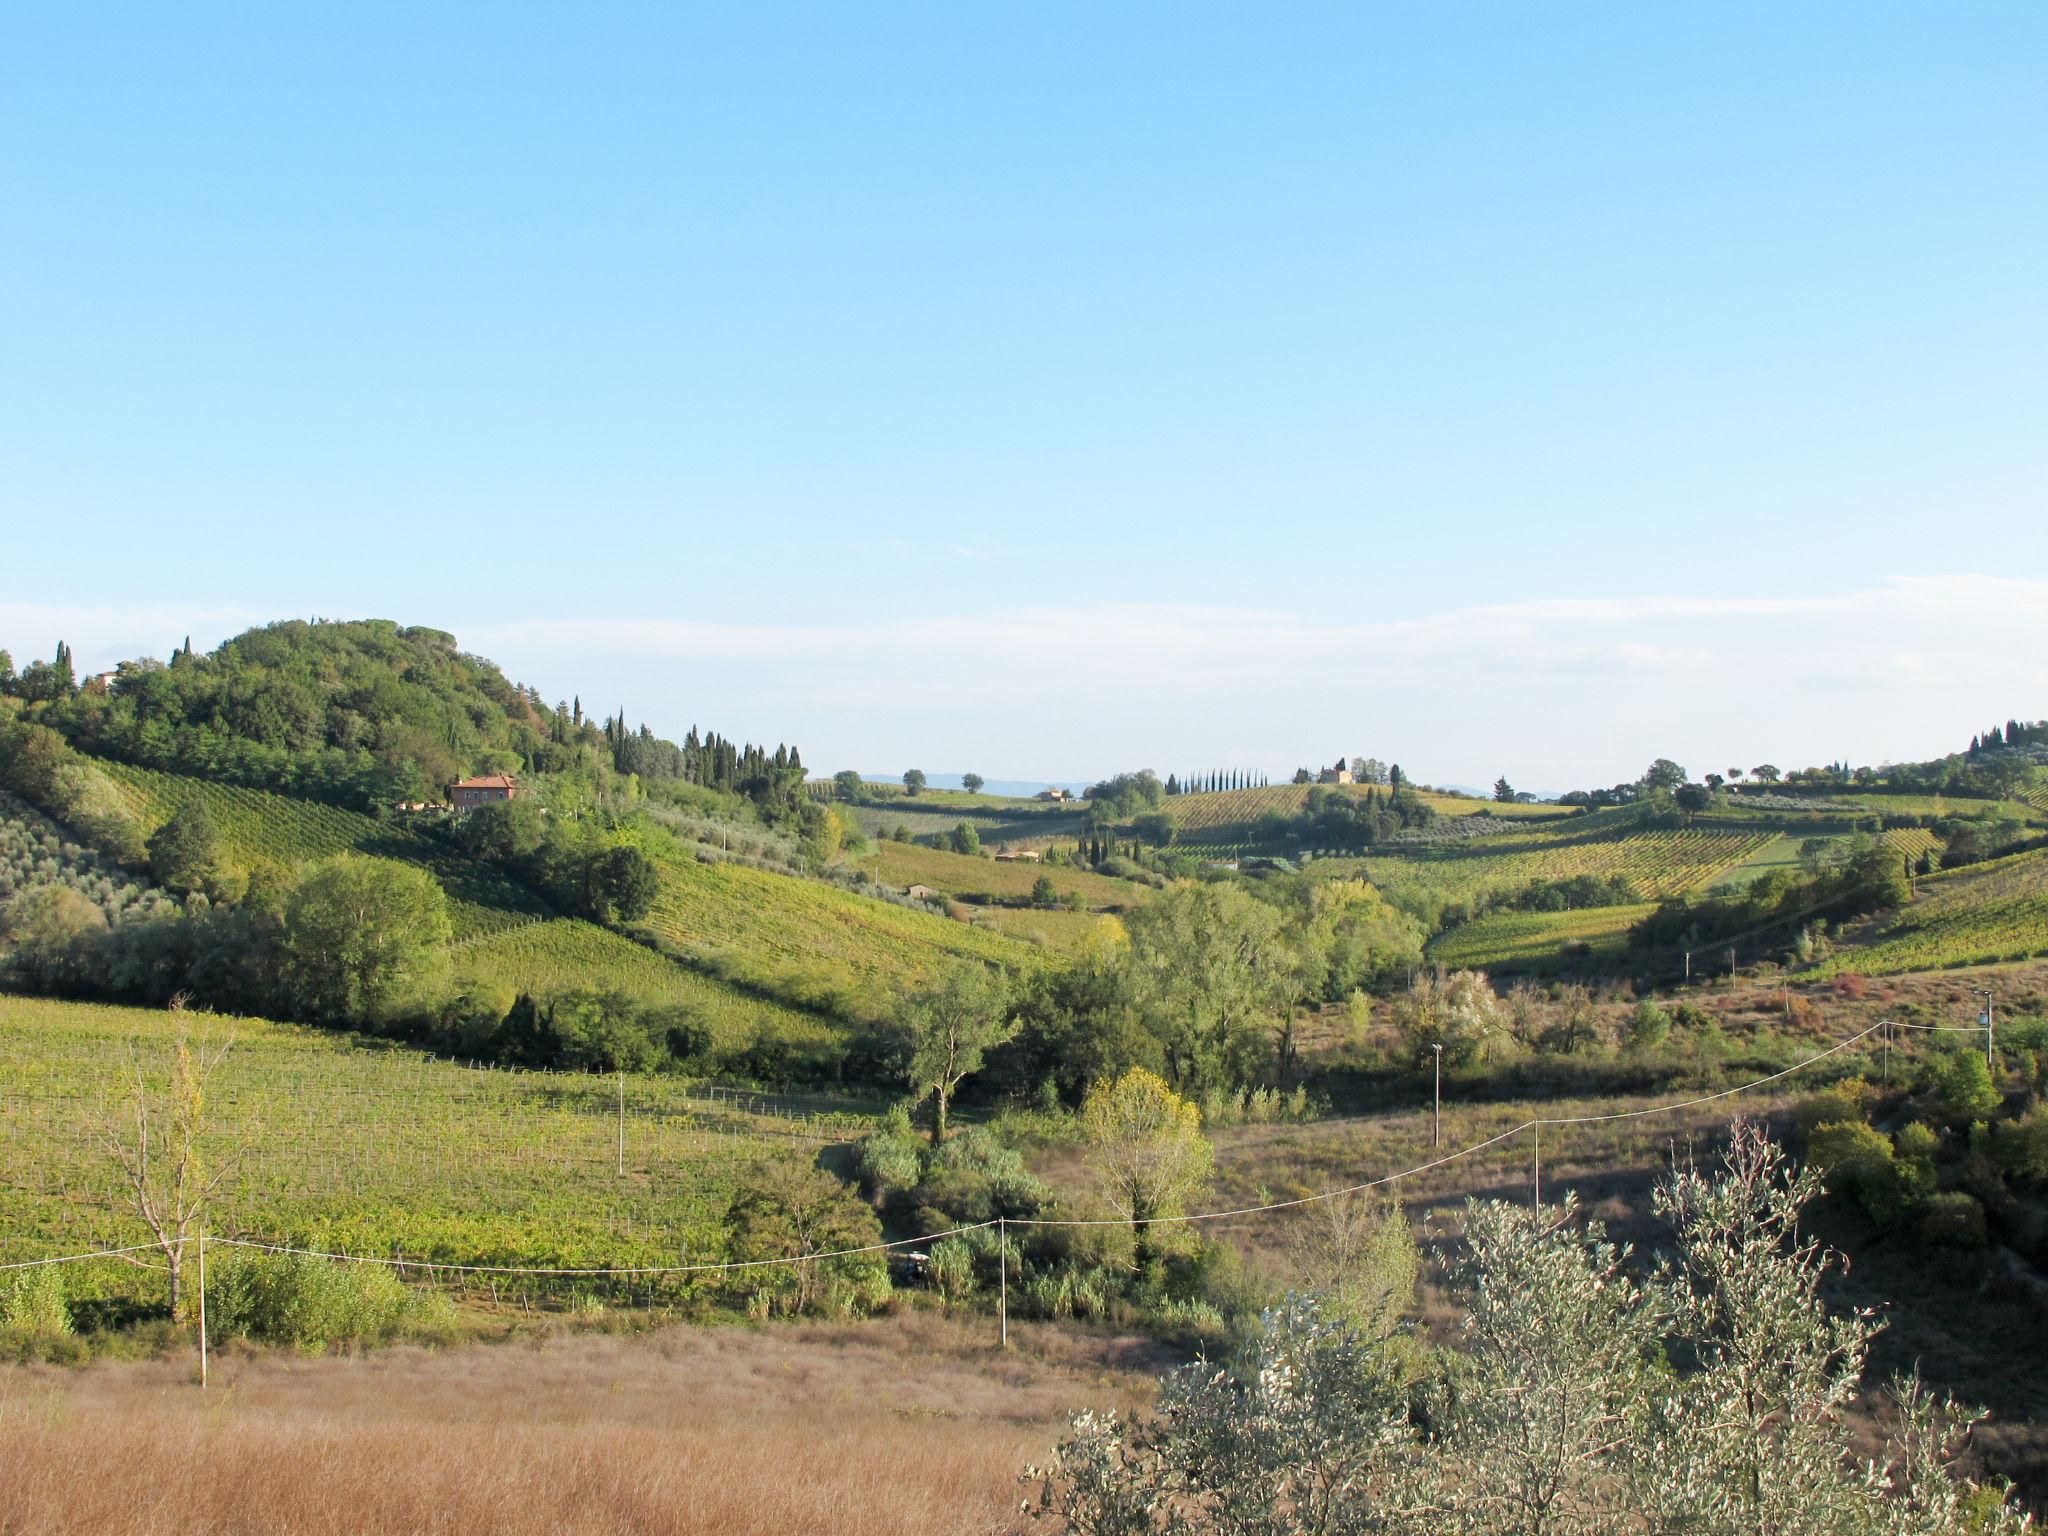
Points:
(909, 1424)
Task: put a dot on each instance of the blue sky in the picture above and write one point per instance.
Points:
(1052, 389)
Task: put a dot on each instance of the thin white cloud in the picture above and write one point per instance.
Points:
(1559, 690)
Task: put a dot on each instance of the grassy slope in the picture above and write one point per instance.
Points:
(800, 937)
(902, 864)
(377, 1149)
(1523, 939)
(1974, 915)
(259, 828)
(1229, 815)
(564, 953)
(504, 932)
(1657, 862)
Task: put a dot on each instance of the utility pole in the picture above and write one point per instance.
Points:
(1990, 1027)
(1539, 1165)
(1438, 1048)
(622, 1124)
(202, 1309)
(1003, 1254)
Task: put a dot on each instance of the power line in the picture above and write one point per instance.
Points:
(1533, 1124)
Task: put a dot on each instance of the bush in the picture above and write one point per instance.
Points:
(952, 1269)
(1647, 1027)
(1952, 1221)
(1858, 1164)
(2020, 1147)
(890, 1156)
(1843, 1103)
(33, 1304)
(1962, 1084)
(303, 1302)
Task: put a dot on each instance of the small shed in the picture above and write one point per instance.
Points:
(922, 893)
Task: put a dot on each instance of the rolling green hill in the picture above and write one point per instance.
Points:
(1231, 816)
(806, 942)
(372, 1149)
(1969, 916)
(905, 864)
(261, 829)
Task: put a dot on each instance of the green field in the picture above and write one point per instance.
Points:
(259, 829)
(1969, 916)
(562, 954)
(905, 864)
(1231, 815)
(378, 1151)
(806, 941)
(1526, 940)
(1658, 862)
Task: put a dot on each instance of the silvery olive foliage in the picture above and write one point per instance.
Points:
(1587, 1394)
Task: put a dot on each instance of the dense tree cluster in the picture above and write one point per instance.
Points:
(1336, 818)
(365, 713)
(1772, 908)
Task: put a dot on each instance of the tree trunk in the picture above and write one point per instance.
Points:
(938, 1116)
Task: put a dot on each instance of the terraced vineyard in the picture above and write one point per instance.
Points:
(1529, 940)
(905, 864)
(809, 942)
(1230, 815)
(259, 829)
(560, 954)
(1658, 862)
(376, 1150)
(1983, 913)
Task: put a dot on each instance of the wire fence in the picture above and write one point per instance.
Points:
(1532, 1125)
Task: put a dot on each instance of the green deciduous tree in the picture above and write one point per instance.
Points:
(948, 1026)
(365, 939)
(790, 1209)
(184, 853)
(851, 785)
(964, 839)
(1212, 967)
(972, 782)
(914, 781)
(1145, 1148)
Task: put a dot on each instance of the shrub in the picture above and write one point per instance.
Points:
(1952, 1220)
(2020, 1147)
(33, 1303)
(952, 1269)
(1962, 1084)
(1843, 1103)
(309, 1303)
(889, 1157)
(1858, 1164)
(1647, 1027)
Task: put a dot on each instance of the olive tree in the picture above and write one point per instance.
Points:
(1588, 1395)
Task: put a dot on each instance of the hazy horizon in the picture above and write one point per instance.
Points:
(1061, 391)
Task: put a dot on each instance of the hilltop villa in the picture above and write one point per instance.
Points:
(468, 794)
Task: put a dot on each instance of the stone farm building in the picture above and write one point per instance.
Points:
(468, 794)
